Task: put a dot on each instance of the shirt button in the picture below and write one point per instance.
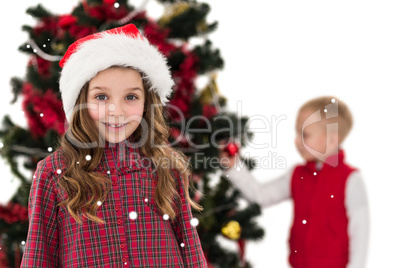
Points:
(118, 222)
(114, 182)
(116, 208)
(121, 246)
(124, 259)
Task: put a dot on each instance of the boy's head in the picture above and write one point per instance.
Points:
(322, 125)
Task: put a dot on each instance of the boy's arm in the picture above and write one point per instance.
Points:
(41, 248)
(265, 194)
(358, 215)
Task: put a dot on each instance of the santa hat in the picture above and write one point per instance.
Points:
(123, 46)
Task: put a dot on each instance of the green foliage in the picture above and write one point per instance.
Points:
(209, 59)
(38, 12)
(16, 85)
(83, 19)
(191, 22)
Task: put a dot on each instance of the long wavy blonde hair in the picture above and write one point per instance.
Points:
(84, 187)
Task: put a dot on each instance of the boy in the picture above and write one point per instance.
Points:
(330, 221)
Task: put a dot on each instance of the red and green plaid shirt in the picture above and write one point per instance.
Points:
(135, 233)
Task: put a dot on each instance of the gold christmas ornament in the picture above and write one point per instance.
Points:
(210, 92)
(231, 230)
(172, 11)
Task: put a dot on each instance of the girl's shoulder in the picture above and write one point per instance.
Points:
(53, 164)
(48, 171)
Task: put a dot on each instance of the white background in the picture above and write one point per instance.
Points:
(278, 54)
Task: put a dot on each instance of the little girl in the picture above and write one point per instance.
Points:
(101, 200)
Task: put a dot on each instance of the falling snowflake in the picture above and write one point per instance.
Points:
(194, 222)
(165, 217)
(88, 157)
(133, 215)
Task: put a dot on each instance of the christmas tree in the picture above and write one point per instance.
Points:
(197, 116)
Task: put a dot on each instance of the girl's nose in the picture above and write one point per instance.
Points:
(115, 109)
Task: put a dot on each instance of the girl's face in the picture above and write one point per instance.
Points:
(116, 100)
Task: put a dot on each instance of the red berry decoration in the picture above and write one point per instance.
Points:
(232, 149)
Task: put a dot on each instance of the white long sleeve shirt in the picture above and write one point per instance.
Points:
(278, 190)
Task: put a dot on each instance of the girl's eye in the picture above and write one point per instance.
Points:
(101, 97)
(131, 97)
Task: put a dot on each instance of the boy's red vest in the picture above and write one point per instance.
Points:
(319, 237)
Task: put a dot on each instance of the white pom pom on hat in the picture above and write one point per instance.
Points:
(122, 46)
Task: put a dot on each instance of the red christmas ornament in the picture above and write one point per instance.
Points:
(232, 149)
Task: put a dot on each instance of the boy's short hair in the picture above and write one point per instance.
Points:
(332, 111)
